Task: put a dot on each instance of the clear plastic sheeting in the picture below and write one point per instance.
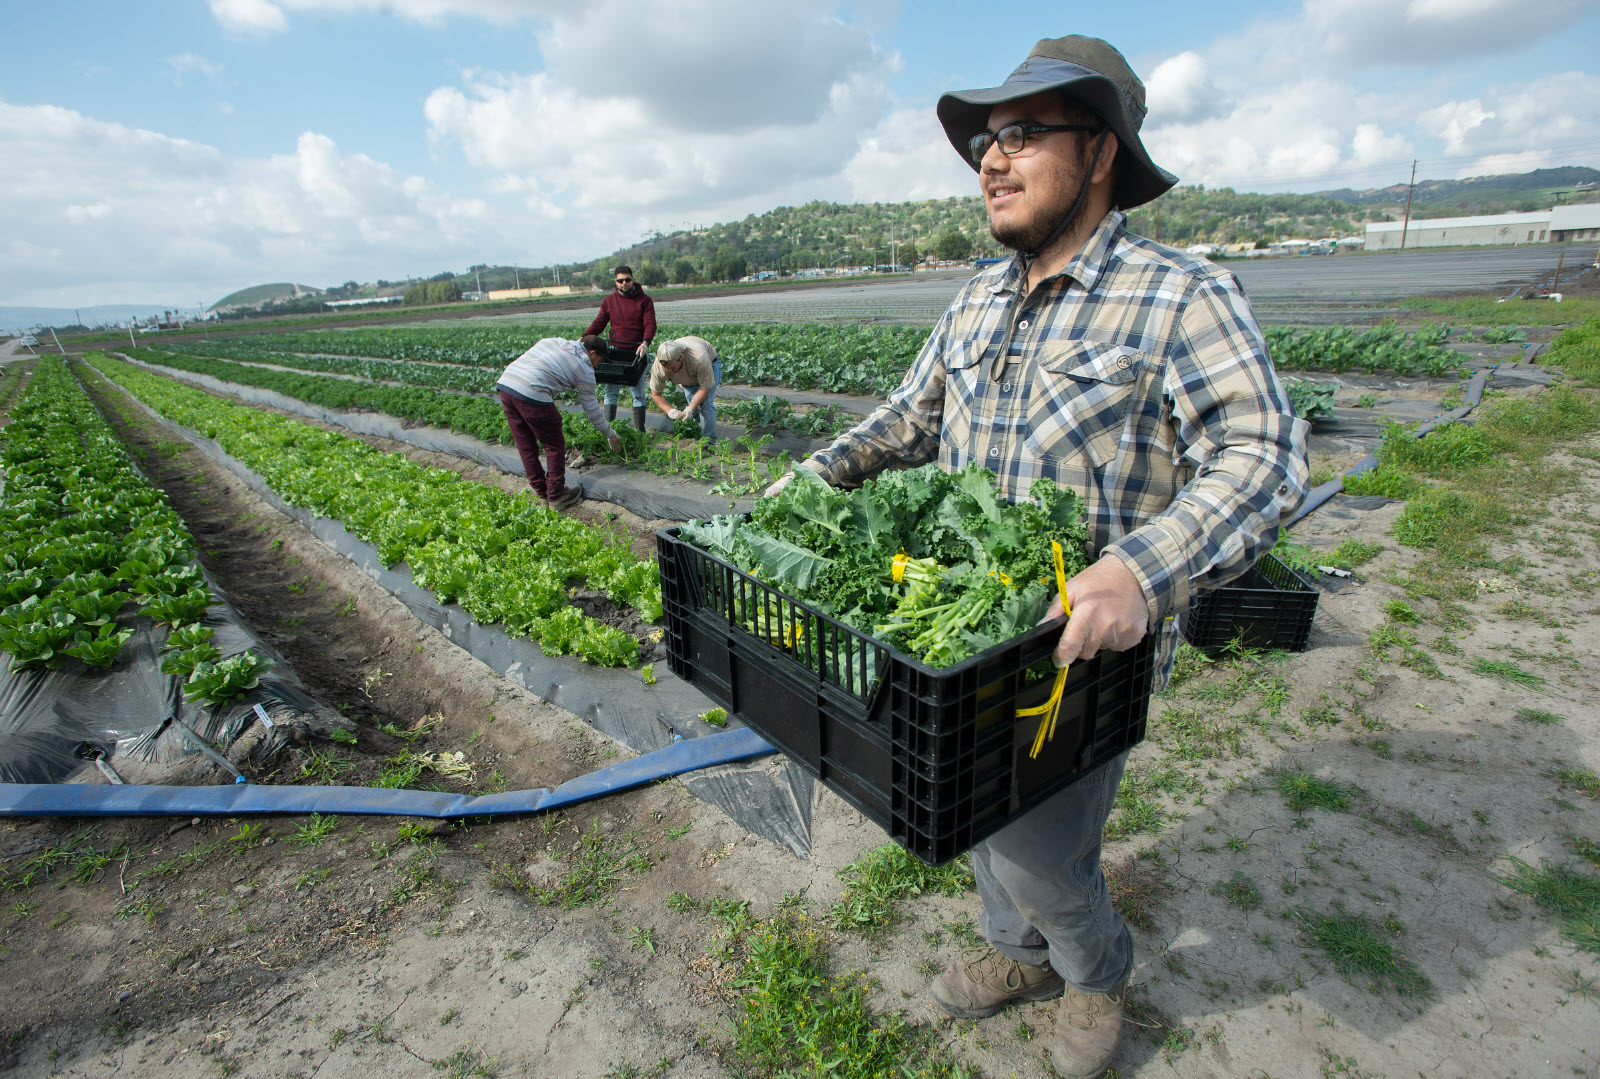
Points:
(54, 722)
(773, 802)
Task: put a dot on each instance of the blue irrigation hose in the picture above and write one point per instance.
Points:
(238, 800)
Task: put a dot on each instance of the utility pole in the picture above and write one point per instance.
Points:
(57, 340)
(478, 275)
(131, 342)
(517, 273)
(1406, 227)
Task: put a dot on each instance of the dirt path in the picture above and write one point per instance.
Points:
(1279, 807)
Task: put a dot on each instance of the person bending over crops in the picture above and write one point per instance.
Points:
(632, 317)
(528, 389)
(692, 363)
(1134, 374)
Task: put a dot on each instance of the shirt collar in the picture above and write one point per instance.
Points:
(1086, 266)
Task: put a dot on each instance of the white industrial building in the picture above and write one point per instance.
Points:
(1530, 228)
(1575, 222)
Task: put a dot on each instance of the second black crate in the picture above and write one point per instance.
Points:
(622, 366)
(1271, 606)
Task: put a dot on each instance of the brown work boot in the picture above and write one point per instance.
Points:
(568, 498)
(1087, 1030)
(983, 980)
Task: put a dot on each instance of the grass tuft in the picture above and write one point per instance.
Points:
(1564, 892)
(876, 883)
(1239, 890)
(1583, 780)
(1302, 791)
(1505, 671)
(800, 1019)
(1539, 715)
(1360, 947)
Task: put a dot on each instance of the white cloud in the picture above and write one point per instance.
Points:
(701, 107)
(1516, 128)
(1181, 89)
(270, 16)
(249, 16)
(1356, 34)
(168, 220)
(907, 157)
(186, 62)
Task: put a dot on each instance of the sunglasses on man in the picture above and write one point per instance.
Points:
(1012, 137)
(624, 280)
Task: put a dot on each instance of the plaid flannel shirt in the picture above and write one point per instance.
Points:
(1138, 378)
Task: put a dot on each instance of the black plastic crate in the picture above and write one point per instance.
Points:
(937, 757)
(621, 366)
(1271, 605)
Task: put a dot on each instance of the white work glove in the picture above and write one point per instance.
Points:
(674, 414)
(688, 413)
(780, 485)
(615, 442)
(642, 349)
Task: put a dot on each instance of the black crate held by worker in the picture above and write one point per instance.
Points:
(1271, 606)
(622, 366)
(937, 757)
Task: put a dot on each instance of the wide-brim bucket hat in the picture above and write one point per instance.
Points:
(1084, 68)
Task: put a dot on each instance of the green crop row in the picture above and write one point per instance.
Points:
(504, 558)
(869, 360)
(733, 467)
(83, 535)
(1382, 348)
(840, 359)
(256, 350)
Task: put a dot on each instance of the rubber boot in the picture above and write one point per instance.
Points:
(611, 412)
(638, 417)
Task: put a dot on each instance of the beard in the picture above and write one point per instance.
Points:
(1027, 237)
(1032, 235)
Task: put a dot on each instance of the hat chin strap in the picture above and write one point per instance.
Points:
(1077, 204)
(999, 363)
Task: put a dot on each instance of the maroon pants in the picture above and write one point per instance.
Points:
(533, 425)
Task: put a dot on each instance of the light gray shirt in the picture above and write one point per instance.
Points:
(552, 366)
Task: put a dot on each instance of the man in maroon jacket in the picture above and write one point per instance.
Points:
(632, 316)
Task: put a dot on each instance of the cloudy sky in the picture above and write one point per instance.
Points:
(171, 151)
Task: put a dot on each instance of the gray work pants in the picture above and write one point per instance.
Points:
(1044, 897)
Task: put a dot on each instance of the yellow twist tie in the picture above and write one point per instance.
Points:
(1049, 709)
(898, 567)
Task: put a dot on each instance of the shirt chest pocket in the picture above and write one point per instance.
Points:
(1080, 400)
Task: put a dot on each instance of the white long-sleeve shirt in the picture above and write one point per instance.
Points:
(550, 367)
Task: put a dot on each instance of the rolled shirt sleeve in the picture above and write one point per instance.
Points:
(1237, 429)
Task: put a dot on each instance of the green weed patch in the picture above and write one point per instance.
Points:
(797, 1018)
(1564, 892)
(1302, 791)
(1359, 946)
(876, 883)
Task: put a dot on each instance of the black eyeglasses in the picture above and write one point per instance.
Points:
(1012, 137)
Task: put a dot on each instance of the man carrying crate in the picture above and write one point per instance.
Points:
(528, 388)
(1134, 374)
(632, 317)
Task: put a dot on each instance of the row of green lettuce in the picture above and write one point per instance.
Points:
(504, 558)
(867, 360)
(83, 536)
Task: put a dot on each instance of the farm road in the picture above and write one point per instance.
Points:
(1284, 290)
